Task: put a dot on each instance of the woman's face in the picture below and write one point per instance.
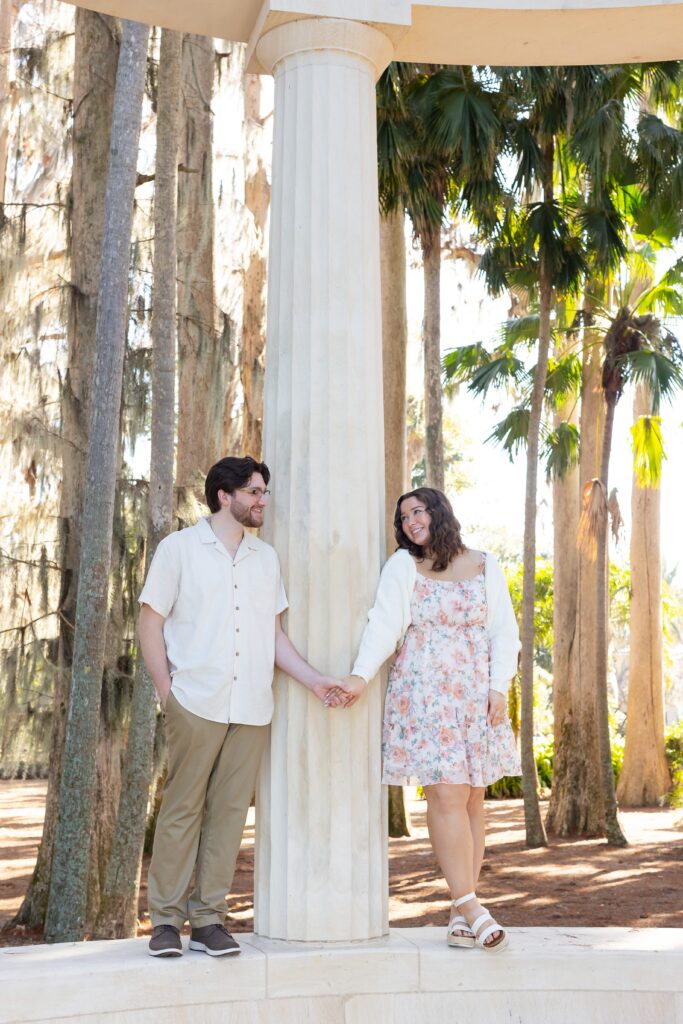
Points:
(415, 521)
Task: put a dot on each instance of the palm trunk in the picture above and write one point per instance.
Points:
(257, 201)
(565, 602)
(65, 920)
(202, 361)
(431, 340)
(394, 346)
(118, 911)
(576, 800)
(96, 56)
(615, 837)
(645, 778)
(535, 832)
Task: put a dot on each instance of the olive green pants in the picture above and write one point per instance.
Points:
(212, 771)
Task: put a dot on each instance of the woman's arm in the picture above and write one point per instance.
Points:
(388, 618)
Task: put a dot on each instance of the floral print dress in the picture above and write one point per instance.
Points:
(435, 715)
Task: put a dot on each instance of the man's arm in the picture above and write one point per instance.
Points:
(153, 647)
(292, 664)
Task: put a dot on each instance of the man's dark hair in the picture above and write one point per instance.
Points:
(229, 475)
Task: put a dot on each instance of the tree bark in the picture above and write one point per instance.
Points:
(202, 360)
(565, 601)
(394, 346)
(65, 920)
(576, 800)
(645, 778)
(431, 340)
(96, 56)
(257, 201)
(535, 832)
(118, 910)
(615, 837)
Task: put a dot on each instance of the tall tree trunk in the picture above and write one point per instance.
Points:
(202, 363)
(394, 346)
(535, 832)
(96, 56)
(431, 340)
(65, 920)
(645, 778)
(118, 911)
(615, 837)
(565, 602)
(576, 799)
(257, 201)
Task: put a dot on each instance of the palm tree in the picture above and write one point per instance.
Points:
(636, 347)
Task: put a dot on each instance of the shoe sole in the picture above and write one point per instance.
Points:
(460, 942)
(165, 952)
(497, 946)
(203, 948)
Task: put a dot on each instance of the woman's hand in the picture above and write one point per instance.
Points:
(349, 690)
(497, 707)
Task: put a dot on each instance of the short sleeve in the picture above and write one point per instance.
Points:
(281, 602)
(161, 587)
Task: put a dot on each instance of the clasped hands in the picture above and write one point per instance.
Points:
(336, 693)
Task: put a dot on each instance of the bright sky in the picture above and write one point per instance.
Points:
(492, 510)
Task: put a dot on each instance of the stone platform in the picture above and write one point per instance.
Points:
(546, 976)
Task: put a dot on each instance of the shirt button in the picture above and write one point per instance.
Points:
(234, 677)
(237, 654)
(235, 586)
(237, 629)
(237, 607)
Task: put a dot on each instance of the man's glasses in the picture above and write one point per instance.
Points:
(255, 492)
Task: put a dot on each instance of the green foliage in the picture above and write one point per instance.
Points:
(674, 755)
(543, 608)
(648, 450)
(561, 449)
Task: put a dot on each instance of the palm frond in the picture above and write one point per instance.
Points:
(459, 364)
(521, 328)
(593, 519)
(561, 450)
(563, 379)
(657, 372)
(647, 445)
(513, 431)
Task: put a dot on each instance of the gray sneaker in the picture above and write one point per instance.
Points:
(214, 939)
(165, 941)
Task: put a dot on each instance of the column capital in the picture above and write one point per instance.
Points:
(354, 38)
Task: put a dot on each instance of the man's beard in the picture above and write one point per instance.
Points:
(244, 514)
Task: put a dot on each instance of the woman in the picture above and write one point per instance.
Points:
(448, 610)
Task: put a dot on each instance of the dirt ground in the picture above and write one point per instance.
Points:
(568, 883)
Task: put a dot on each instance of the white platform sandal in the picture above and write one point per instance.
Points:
(480, 929)
(459, 924)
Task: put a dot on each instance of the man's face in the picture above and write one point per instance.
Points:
(247, 504)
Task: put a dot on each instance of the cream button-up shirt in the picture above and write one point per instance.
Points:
(219, 623)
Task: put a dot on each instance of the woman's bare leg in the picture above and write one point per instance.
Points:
(458, 850)
(475, 811)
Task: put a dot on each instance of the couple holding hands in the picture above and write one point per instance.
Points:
(210, 635)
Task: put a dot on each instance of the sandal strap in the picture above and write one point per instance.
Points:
(479, 923)
(464, 899)
(488, 932)
(459, 924)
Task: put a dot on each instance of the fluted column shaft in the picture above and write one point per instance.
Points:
(321, 866)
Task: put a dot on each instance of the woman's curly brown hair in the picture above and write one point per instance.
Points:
(445, 541)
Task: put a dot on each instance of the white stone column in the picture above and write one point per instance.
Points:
(321, 863)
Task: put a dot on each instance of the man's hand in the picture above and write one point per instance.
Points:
(497, 707)
(349, 689)
(329, 691)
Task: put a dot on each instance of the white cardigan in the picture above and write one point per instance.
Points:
(389, 619)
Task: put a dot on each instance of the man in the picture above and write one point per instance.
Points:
(210, 635)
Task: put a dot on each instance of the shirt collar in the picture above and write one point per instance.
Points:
(207, 536)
